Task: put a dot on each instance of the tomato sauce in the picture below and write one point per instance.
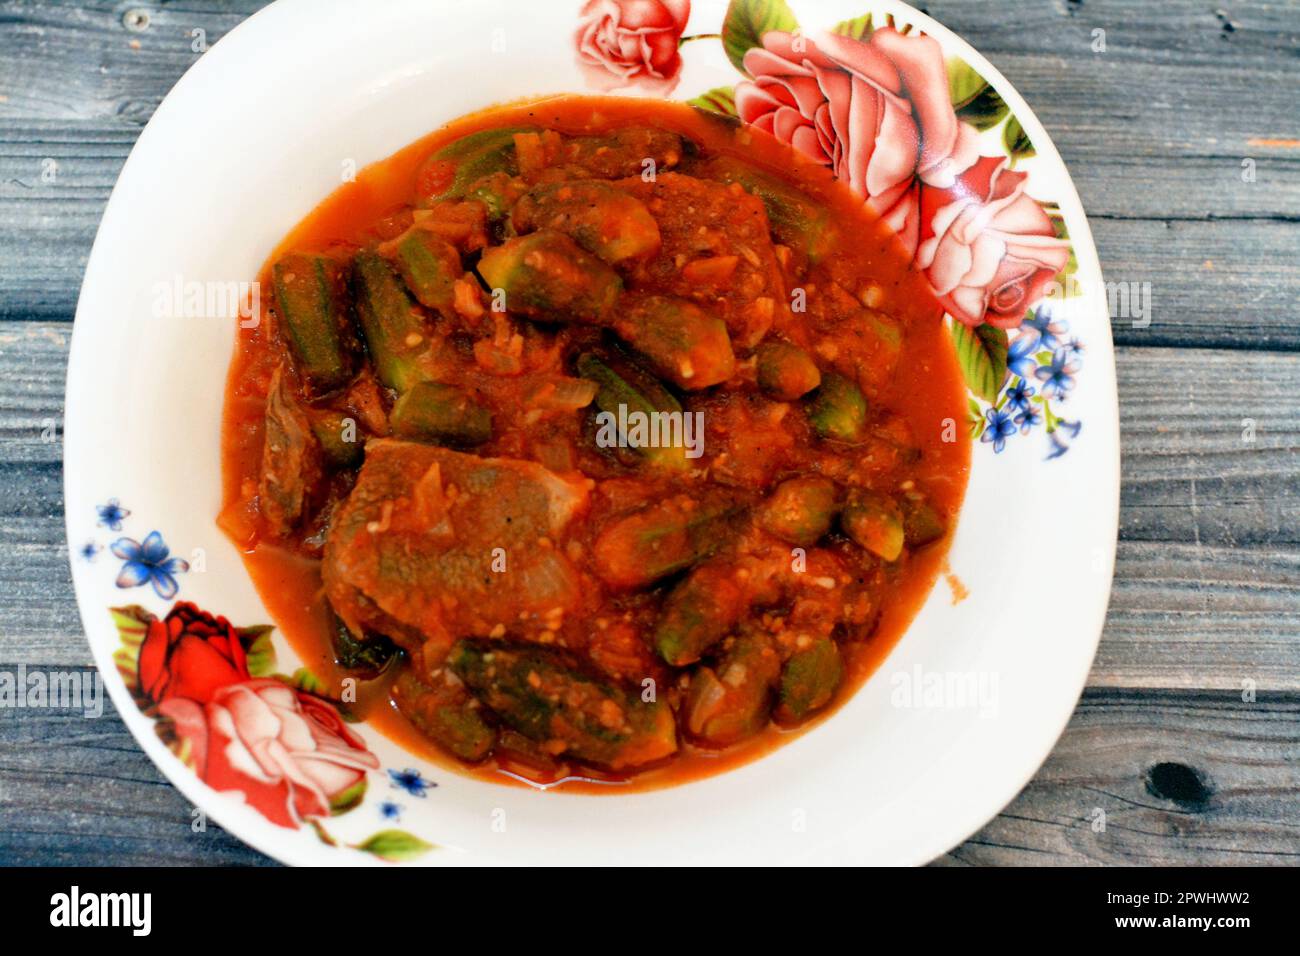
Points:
(918, 399)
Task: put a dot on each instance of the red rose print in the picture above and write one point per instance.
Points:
(190, 653)
(988, 250)
(287, 752)
(625, 42)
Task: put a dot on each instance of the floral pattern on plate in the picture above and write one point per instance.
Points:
(931, 148)
(274, 740)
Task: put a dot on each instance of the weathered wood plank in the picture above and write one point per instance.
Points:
(1191, 779)
(1157, 162)
(1195, 616)
(77, 791)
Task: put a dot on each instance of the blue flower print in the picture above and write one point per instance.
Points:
(89, 550)
(1048, 331)
(111, 514)
(149, 563)
(1000, 428)
(1059, 447)
(1020, 356)
(1074, 349)
(390, 811)
(1027, 418)
(1019, 393)
(411, 781)
(1057, 377)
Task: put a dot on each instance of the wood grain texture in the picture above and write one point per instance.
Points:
(1156, 160)
(1203, 779)
(1206, 602)
(77, 791)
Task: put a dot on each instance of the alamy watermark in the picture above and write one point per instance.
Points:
(22, 687)
(920, 689)
(181, 298)
(638, 429)
(1125, 301)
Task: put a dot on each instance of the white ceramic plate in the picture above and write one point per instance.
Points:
(260, 130)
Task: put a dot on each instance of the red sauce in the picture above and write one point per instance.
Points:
(924, 393)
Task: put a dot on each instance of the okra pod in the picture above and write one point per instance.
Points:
(623, 390)
(498, 192)
(796, 220)
(547, 697)
(922, 523)
(440, 414)
(809, 680)
(800, 510)
(628, 152)
(682, 343)
(392, 324)
(546, 275)
(875, 522)
(838, 409)
(368, 655)
(785, 371)
(313, 313)
(446, 713)
(338, 438)
(453, 170)
(731, 701)
(661, 539)
(699, 612)
(605, 221)
(430, 266)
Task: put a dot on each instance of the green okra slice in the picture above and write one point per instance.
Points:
(544, 695)
(546, 275)
(838, 409)
(392, 324)
(797, 220)
(700, 611)
(605, 221)
(800, 510)
(440, 414)
(661, 539)
(809, 680)
(623, 390)
(875, 522)
(313, 313)
(498, 192)
(338, 437)
(368, 655)
(732, 700)
(462, 163)
(785, 371)
(635, 151)
(447, 714)
(922, 522)
(680, 340)
(430, 265)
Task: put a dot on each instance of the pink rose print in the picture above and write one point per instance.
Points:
(878, 113)
(287, 752)
(627, 42)
(988, 250)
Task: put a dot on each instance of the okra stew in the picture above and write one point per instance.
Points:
(596, 440)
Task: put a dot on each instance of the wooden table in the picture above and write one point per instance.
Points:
(1155, 130)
